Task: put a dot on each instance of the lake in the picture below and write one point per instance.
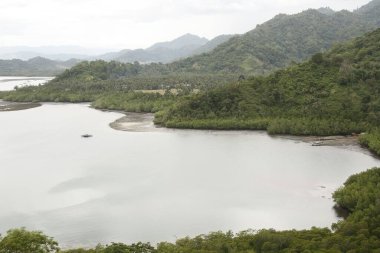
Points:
(9, 82)
(159, 184)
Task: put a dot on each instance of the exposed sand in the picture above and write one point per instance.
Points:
(143, 122)
(135, 122)
(6, 106)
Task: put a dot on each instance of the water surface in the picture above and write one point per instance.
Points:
(9, 82)
(159, 185)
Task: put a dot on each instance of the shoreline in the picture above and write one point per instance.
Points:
(16, 106)
(143, 122)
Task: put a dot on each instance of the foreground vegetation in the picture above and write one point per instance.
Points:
(359, 232)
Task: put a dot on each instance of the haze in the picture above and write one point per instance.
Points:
(118, 24)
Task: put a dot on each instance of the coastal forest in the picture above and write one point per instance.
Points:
(313, 73)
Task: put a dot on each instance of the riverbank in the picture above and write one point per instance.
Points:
(6, 106)
(144, 122)
(135, 122)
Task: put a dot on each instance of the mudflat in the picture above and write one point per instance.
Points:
(12, 106)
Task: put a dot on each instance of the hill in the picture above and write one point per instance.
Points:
(169, 51)
(37, 66)
(370, 12)
(336, 92)
(283, 40)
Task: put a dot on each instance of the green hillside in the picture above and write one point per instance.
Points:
(337, 92)
(283, 40)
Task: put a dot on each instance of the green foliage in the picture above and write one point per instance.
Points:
(134, 101)
(281, 41)
(23, 241)
(334, 93)
(371, 140)
(117, 248)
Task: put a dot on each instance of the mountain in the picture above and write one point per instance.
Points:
(370, 12)
(334, 93)
(37, 66)
(160, 52)
(58, 53)
(212, 44)
(187, 40)
(283, 40)
(165, 52)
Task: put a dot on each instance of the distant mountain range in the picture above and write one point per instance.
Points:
(49, 61)
(275, 44)
(166, 52)
(37, 66)
(57, 53)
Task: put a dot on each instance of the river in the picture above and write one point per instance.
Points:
(155, 184)
(9, 82)
(159, 184)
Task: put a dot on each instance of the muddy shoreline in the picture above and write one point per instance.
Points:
(143, 122)
(14, 106)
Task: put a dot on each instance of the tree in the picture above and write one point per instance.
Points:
(23, 241)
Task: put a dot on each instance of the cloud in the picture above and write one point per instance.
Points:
(132, 24)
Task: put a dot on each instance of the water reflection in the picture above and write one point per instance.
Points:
(154, 186)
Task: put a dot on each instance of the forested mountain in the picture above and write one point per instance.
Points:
(212, 44)
(370, 12)
(181, 42)
(283, 40)
(337, 92)
(37, 66)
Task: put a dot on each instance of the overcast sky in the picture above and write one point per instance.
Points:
(131, 24)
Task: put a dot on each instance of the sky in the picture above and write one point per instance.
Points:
(120, 24)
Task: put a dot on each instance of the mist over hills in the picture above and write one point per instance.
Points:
(169, 51)
(37, 66)
(51, 61)
(57, 53)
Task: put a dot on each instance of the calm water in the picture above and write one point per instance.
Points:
(9, 82)
(159, 185)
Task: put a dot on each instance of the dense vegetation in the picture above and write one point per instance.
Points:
(359, 232)
(37, 66)
(371, 140)
(116, 85)
(336, 92)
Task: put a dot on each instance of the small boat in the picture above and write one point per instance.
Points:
(86, 135)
